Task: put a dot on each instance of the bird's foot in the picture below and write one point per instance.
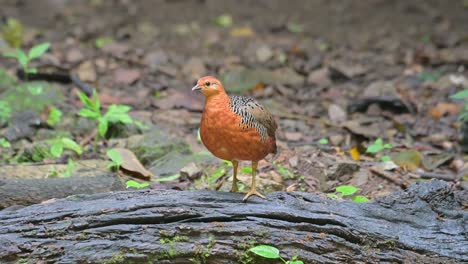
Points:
(234, 188)
(253, 192)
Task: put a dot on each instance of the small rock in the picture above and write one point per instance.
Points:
(336, 140)
(264, 53)
(336, 113)
(319, 77)
(74, 56)
(350, 70)
(126, 76)
(293, 136)
(156, 58)
(293, 161)
(194, 68)
(86, 72)
(191, 171)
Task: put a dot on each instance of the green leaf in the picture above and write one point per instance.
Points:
(376, 147)
(224, 20)
(460, 95)
(118, 113)
(38, 50)
(10, 54)
(4, 143)
(137, 185)
(56, 149)
(295, 27)
(360, 199)
(346, 190)
(332, 196)
(96, 103)
(323, 141)
(22, 59)
(31, 70)
(102, 127)
(167, 178)
(72, 145)
(388, 146)
(70, 168)
(295, 262)
(246, 170)
(85, 100)
(385, 158)
(102, 41)
(88, 113)
(266, 251)
(54, 116)
(115, 156)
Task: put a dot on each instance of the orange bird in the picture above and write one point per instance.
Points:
(235, 128)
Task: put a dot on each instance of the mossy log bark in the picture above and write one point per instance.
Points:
(424, 224)
(30, 191)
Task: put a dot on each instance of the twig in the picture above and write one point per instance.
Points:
(391, 177)
(432, 175)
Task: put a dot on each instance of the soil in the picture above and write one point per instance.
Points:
(349, 72)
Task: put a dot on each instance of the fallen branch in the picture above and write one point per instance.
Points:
(424, 224)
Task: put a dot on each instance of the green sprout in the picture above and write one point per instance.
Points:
(224, 20)
(54, 116)
(323, 141)
(348, 190)
(24, 58)
(377, 147)
(70, 168)
(116, 159)
(102, 41)
(464, 96)
(273, 253)
(136, 185)
(58, 145)
(92, 110)
(4, 143)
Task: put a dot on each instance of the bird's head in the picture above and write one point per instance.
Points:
(209, 86)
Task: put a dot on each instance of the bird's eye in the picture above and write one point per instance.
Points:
(207, 83)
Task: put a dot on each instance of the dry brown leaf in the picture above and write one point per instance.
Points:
(132, 165)
(442, 109)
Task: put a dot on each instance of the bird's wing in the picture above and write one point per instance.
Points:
(253, 114)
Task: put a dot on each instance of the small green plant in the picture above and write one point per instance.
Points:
(464, 96)
(4, 143)
(25, 59)
(70, 168)
(224, 20)
(58, 145)
(5, 111)
(295, 27)
(136, 185)
(102, 41)
(348, 190)
(54, 116)
(323, 141)
(116, 159)
(287, 174)
(273, 253)
(377, 147)
(92, 110)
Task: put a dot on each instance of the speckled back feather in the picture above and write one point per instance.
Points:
(253, 114)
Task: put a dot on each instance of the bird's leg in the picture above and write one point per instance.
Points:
(234, 179)
(253, 187)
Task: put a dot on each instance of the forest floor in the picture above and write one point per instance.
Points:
(360, 89)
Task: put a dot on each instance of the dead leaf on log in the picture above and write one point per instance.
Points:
(131, 165)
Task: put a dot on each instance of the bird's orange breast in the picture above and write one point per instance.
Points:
(223, 135)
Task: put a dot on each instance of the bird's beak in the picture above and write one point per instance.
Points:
(196, 88)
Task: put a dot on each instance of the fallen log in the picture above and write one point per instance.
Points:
(424, 224)
(30, 191)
